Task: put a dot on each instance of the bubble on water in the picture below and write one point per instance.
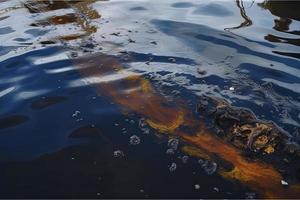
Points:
(250, 195)
(118, 154)
(185, 159)
(134, 140)
(209, 167)
(170, 151)
(173, 167)
(76, 114)
(284, 183)
(146, 131)
(143, 126)
(197, 187)
(200, 161)
(173, 143)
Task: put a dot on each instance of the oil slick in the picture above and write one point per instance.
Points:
(135, 94)
(82, 16)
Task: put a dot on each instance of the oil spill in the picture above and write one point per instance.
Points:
(105, 99)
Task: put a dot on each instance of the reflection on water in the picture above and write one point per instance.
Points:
(247, 20)
(213, 106)
(81, 9)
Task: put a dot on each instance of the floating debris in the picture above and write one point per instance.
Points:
(173, 167)
(134, 140)
(231, 88)
(118, 154)
(244, 129)
(216, 189)
(153, 42)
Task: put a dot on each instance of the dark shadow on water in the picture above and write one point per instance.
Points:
(46, 102)
(12, 121)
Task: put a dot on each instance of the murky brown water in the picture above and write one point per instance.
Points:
(149, 99)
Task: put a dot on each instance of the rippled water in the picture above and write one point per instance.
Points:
(83, 85)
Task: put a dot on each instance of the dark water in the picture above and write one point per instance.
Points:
(61, 130)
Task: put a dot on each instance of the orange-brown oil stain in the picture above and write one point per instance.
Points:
(82, 16)
(257, 175)
(71, 37)
(134, 93)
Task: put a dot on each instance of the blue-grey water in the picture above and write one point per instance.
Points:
(59, 133)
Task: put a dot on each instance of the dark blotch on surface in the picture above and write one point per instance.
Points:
(182, 5)
(213, 9)
(46, 102)
(36, 32)
(139, 8)
(3, 18)
(12, 121)
(47, 42)
(85, 132)
(6, 30)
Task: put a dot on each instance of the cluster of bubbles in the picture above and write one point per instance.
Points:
(134, 140)
(208, 166)
(172, 146)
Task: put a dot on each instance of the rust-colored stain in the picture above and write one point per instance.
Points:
(82, 16)
(134, 93)
(257, 175)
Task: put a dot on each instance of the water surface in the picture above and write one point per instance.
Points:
(79, 79)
